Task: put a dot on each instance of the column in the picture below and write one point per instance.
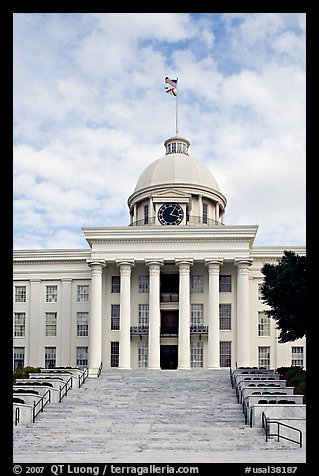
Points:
(125, 313)
(200, 209)
(184, 344)
(213, 361)
(243, 337)
(151, 211)
(217, 211)
(154, 314)
(95, 329)
(64, 324)
(35, 325)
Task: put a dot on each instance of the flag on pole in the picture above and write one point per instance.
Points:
(173, 84)
(171, 91)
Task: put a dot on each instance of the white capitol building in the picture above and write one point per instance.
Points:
(177, 289)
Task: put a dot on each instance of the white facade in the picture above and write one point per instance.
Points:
(176, 289)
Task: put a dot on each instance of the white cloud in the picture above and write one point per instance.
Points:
(91, 112)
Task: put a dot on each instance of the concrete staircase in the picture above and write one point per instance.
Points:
(149, 416)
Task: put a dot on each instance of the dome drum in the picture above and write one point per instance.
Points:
(183, 182)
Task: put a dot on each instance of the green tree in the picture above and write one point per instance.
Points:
(284, 290)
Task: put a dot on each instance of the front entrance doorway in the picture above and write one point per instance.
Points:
(169, 356)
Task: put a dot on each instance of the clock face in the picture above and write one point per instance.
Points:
(170, 214)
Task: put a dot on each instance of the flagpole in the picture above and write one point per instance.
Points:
(176, 106)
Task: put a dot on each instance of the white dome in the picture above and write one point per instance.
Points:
(177, 169)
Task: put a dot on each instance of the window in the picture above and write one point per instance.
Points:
(264, 357)
(143, 284)
(83, 293)
(173, 147)
(50, 324)
(115, 317)
(116, 284)
(225, 283)
(260, 294)
(115, 349)
(82, 357)
(197, 314)
(205, 207)
(263, 325)
(225, 317)
(145, 214)
(18, 358)
(143, 314)
(51, 294)
(49, 357)
(82, 324)
(225, 353)
(20, 294)
(297, 356)
(142, 354)
(197, 284)
(196, 354)
(19, 324)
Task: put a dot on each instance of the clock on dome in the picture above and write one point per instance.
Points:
(170, 214)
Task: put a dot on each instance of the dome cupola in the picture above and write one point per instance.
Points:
(181, 181)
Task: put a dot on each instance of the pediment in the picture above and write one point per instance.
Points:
(171, 194)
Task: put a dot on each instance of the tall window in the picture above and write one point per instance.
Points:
(19, 324)
(264, 357)
(82, 324)
(225, 283)
(197, 314)
(197, 284)
(225, 353)
(197, 354)
(142, 354)
(115, 317)
(49, 357)
(143, 314)
(116, 284)
(82, 357)
(145, 214)
(205, 208)
(143, 284)
(18, 358)
(263, 325)
(50, 323)
(51, 294)
(297, 356)
(260, 294)
(83, 293)
(115, 350)
(225, 317)
(20, 294)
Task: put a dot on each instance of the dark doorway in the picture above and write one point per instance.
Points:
(169, 357)
(169, 323)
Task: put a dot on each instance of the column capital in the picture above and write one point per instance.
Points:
(214, 263)
(127, 261)
(66, 280)
(96, 262)
(184, 261)
(154, 261)
(243, 264)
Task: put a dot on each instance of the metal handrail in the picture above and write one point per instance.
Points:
(17, 416)
(65, 388)
(266, 422)
(190, 220)
(99, 370)
(83, 377)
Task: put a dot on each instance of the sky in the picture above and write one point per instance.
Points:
(90, 113)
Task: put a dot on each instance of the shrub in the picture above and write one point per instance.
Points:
(25, 371)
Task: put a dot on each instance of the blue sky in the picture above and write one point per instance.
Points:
(91, 112)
